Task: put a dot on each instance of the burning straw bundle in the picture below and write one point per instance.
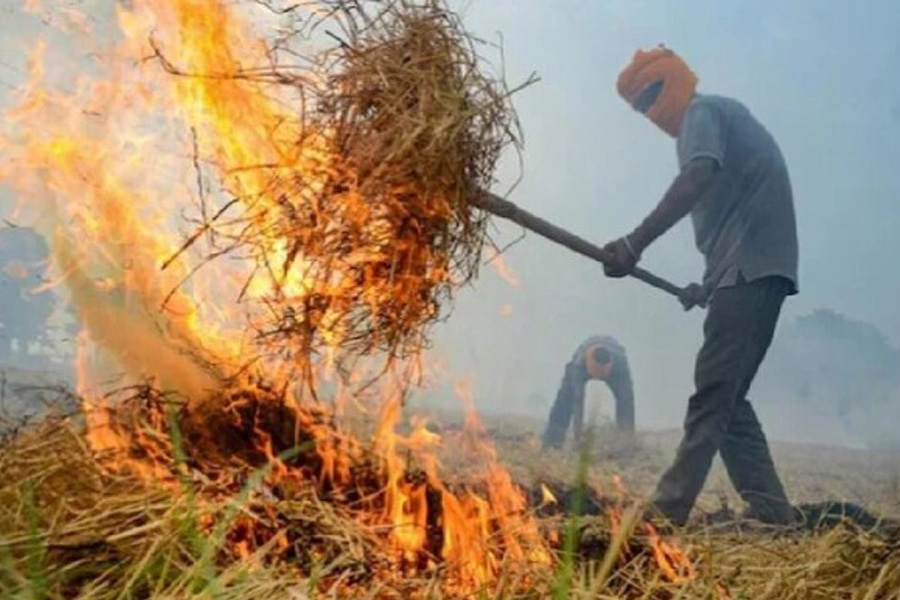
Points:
(420, 128)
(365, 238)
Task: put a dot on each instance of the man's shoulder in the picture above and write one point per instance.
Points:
(715, 102)
(708, 117)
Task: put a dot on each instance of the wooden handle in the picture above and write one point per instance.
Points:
(505, 209)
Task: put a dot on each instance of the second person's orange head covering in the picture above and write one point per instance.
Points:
(598, 364)
(679, 85)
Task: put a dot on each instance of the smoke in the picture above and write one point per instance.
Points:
(832, 379)
(593, 166)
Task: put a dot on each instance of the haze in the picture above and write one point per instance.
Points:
(815, 73)
(819, 75)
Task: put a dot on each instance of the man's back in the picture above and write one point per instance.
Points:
(608, 342)
(744, 224)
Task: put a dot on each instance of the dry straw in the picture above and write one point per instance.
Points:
(421, 128)
(401, 125)
(72, 530)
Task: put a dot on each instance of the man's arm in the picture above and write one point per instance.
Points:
(681, 197)
(562, 411)
(623, 393)
(578, 410)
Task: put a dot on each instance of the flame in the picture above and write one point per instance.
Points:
(674, 563)
(521, 537)
(504, 270)
(480, 527)
(671, 560)
(547, 497)
(112, 162)
(405, 503)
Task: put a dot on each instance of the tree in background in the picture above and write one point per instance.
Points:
(826, 365)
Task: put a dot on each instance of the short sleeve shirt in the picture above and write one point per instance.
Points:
(744, 225)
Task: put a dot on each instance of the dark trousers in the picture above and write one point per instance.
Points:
(738, 330)
(570, 393)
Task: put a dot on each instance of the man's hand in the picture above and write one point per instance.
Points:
(693, 295)
(622, 258)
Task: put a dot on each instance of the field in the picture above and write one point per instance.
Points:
(256, 205)
(811, 473)
(70, 530)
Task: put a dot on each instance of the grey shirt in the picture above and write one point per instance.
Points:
(744, 224)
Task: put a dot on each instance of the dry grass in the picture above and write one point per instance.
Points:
(364, 228)
(70, 529)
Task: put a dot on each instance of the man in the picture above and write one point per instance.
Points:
(599, 358)
(734, 183)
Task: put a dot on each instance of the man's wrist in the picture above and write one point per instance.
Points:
(632, 250)
(637, 242)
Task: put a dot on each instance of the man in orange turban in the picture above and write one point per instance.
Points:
(663, 84)
(598, 358)
(734, 183)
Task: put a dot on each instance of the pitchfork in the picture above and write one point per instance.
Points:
(505, 209)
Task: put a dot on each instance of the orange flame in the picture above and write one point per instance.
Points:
(672, 561)
(504, 270)
(107, 164)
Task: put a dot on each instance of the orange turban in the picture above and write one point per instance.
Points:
(595, 368)
(679, 84)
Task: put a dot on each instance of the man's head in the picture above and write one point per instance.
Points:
(660, 85)
(598, 362)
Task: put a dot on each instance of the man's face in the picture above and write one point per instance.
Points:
(648, 97)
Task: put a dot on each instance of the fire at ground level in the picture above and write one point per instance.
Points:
(351, 226)
(89, 527)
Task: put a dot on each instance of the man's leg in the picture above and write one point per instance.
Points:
(704, 427)
(751, 469)
(558, 423)
(561, 411)
(623, 392)
(735, 341)
(745, 450)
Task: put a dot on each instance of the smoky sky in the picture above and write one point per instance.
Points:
(821, 76)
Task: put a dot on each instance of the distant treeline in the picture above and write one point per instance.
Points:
(829, 376)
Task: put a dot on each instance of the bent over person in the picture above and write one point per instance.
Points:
(599, 358)
(734, 183)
